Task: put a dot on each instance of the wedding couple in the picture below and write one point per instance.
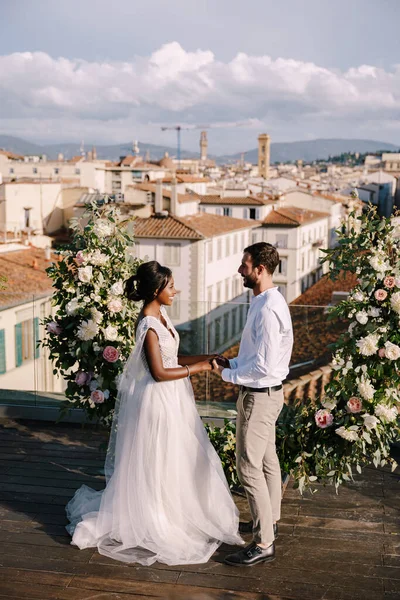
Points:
(166, 497)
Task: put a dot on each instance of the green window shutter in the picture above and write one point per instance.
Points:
(36, 337)
(18, 344)
(2, 351)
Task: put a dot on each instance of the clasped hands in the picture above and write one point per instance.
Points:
(219, 362)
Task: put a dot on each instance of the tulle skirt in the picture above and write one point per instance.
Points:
(167, 499)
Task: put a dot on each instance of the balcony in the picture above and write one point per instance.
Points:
(31, 390)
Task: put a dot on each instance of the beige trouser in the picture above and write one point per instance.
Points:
(256, 459)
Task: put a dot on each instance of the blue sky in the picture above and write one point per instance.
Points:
(111, 72)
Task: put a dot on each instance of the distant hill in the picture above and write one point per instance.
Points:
(111, 152)
(280, 152)
(313, 149)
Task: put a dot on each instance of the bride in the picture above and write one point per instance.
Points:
(166, 497)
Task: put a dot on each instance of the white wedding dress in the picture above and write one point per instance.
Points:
(166, 497)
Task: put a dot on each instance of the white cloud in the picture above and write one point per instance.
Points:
(62, 96)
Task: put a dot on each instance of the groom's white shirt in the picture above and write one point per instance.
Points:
(266, 343)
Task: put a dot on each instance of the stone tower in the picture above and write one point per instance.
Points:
(203, 146)
(264, 142)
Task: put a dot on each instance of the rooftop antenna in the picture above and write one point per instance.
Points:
(82, 148)
(135, 148)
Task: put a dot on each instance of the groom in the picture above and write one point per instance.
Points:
(259, 369)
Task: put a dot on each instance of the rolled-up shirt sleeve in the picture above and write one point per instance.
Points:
(267, 336)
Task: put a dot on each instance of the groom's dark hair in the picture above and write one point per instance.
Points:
(263, 254)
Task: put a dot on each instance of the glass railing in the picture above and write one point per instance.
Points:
(26, 372)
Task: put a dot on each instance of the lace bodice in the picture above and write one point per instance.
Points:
(169, 343)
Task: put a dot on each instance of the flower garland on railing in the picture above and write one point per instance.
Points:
(91, 333)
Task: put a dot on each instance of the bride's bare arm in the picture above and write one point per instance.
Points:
(157, 369)
(191, 360)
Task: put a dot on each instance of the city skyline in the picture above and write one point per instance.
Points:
(298, 74)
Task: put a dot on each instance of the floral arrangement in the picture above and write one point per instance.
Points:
(356, 421)
(91, 333)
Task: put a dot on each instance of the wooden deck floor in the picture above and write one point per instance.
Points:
(344, 547)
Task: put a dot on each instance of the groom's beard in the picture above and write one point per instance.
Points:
(249, 281)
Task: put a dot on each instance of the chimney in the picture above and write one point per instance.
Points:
(158, 202)
(174, 198)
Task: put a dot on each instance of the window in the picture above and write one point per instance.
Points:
(26, 336)
(282, 267)
(27, 217)
(172, 254)
(56, 171)
(227, 289)
(219, 249)
(210, 251)
(227, 246)
(77, 171)
(34, 170)
(243, 241)
(219, 290)
(254, 213)
(245, 213)
(281, 240)
(175, 308)
(209, 295)
(11, 171)
(235, 244)
(218, 211)
(254, 237)
(227, 211)
(309, 259)
(302, 262)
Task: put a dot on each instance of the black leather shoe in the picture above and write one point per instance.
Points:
(250, 556)
(247, 527)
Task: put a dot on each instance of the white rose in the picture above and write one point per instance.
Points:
(379, 263)
(392, 352)
(370, 421)
(110, 333)
(358, 296)
(85, 274)
(362, 317)
(365, 388)
(87, 330)
(374, 311)
(349, 435)
(72, 307)
(351, 327)
(98, 259)
(96, 315)
(115, 306)
(395, 223)
(368, 345)
(102, 228)
(395, 302)
(117, 288)
(386, 413)
(328, 404)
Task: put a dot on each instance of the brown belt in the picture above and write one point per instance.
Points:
(264, 390)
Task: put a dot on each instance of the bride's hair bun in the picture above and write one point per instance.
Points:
(150, 279)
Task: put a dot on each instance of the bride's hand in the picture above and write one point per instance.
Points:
(217, 367)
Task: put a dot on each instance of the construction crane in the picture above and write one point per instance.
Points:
(178, 129)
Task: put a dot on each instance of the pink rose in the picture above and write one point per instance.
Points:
(323, 418)
(115, 306)
(81, 378)
(110, 354)
(354, 405)
(53, 327)
(382, 353)
(79, 258)
(389, 282)
(97, 397)
(380, 295)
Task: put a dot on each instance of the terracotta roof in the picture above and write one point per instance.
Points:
(338, 198)
(292, 216)
(213, 225)
(187, 179)
(320, 294)
(164, 227)
(27, 181)
(151, 187)
(76, 159)
(11, 155)
(232, 200)
(23, 280)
